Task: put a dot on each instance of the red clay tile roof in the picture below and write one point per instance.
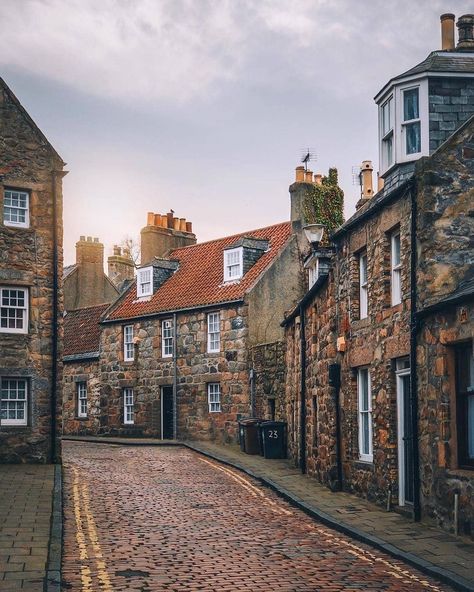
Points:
(82, 330)
(199, 278)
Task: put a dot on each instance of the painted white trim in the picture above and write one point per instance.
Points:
(165, 340)
(16, 422)
(80, 398)
(126, 357)
(367, 457)
(401, 433)
(26, 223)
(210, 333)
(217, 394)
(25, 309)
(363, 287)
(395, 270)
(128, 391)
(240, 263)
(149, 290)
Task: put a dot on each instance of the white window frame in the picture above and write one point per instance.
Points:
(128, 344)
(9, 307)
(313, 273)
(128, 406)
(6, 390)
(167, 337)
(387, 135)
(399, 140)
(214, 397)
(396, 268)
(233, 264)
(145, 282)
(26, 209)
(361, 411)
(363, 286)
(214, 332)
(81, 388)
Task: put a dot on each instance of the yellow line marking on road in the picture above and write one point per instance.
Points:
(252, 489)
(91, 531)
(366, 555)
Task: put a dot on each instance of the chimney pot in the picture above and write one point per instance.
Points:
(96, 240)
(182, 224)
(189, 226)
(465, 26)
(308, 176)
(299, 174)
(366, 179)
(89, 239)
(447, 31)
(175, 223)
(117, 250)
(150, 219)
(380, 182)
(169, 220)
(82, 238)
(318, 179)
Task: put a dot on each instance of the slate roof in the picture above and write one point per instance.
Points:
(68, 269)
(443, 61)
(199, 279)
(82, 330)
(439, 62)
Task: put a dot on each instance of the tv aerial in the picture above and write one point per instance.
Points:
(356, 180)
(308, 155)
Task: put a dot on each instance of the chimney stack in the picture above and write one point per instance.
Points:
(465, 26)
(162, 234)
(120, 266)
(447, 31)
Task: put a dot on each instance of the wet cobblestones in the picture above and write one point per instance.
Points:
(150, 519)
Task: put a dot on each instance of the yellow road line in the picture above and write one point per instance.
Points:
(253, 490)
(91, 532)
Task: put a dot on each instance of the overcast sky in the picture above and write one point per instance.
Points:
(205, 106)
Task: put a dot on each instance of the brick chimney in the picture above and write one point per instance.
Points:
(465, 27)
(447, 31)
(120, 266)
(162, 234)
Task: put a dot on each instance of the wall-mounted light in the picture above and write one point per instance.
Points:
(314, 233)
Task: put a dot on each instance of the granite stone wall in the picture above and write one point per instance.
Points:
(28, 162)
(268, 363)
(86, 371)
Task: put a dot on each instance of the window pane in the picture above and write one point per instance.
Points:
(365, 433)
(410, 105)
(395, 250)
(413, 138)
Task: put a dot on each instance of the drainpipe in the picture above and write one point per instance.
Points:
(337, 391)
(175, 378)
(303, 393)
(413, 358)
(54, 322)
(253, 405)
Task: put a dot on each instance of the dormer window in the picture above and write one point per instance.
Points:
(233, 264)
(145, 282)
(403, 123)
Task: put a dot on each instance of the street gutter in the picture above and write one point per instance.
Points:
(52, 580)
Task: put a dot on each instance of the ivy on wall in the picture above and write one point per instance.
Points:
(324, 204)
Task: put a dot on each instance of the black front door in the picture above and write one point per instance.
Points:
(167, 413)
(408, 438)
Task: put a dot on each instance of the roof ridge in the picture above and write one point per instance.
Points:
(245, 232)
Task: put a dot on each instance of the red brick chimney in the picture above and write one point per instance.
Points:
(162, 234)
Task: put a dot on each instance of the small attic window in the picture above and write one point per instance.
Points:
(145, 282)
(233, 264)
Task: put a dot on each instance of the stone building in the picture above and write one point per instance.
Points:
(176, 350)
(379, 351)
(31, 304)
(86, 283)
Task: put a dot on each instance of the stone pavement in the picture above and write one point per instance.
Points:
(149, 519)
(26, 495)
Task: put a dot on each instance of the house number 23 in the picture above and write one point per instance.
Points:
(272, 434)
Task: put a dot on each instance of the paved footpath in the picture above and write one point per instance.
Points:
(160, 518)
(26, 493)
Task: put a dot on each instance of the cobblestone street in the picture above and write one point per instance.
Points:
(162, 518)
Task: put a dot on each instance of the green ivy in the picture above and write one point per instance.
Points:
(324, 204)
